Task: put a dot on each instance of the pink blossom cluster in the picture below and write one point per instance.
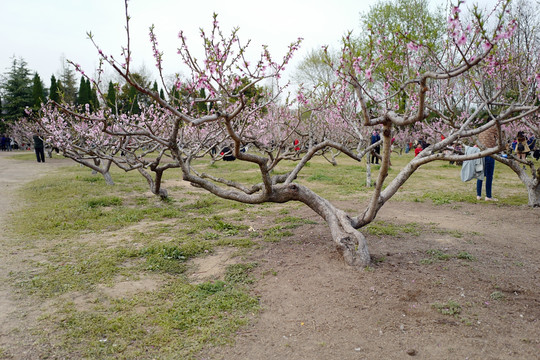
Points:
(224, 65)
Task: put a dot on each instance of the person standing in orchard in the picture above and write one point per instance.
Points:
(39, 148)
(488, 139)
(522, 146)
(374, 154)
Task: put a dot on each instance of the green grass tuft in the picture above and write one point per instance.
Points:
(382, 228)
(320, 177)
(104, 201)
(452, 308)
(240, 273)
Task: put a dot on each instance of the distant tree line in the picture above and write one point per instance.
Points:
(22, 88)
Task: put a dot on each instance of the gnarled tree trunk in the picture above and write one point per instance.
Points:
(530, 180)
(533, 188)
(350, 243)
(108, 178)
(534, 196)
(155, 184)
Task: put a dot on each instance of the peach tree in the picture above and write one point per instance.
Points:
(457, 80)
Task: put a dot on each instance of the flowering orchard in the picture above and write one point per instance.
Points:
(465, 81)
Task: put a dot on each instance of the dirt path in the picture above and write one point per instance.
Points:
(14, 310)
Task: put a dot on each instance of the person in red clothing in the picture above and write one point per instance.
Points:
(418, 149)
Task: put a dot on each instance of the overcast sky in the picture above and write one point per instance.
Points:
(44, 31)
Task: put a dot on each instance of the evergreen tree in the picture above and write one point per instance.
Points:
(162, 94)
(2, 124)
(133, 101)
(80, 95)
(39, 95)
(156, 89)
(17, 90)
(129, 99)
(68, 84)
(54, 91)
(202, 106)
(94, 100)
(111, 97)
(83, 97)
(175, 96)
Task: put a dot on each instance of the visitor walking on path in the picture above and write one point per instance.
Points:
(39, 148)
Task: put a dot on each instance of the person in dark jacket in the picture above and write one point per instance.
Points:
(227, 154)
(3, 143)
(531, 142)
(375, 136)
(39, 148)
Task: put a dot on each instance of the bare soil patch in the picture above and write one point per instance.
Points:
(212, 266)
(316, 307)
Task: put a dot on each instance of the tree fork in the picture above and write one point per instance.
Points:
(350, 243)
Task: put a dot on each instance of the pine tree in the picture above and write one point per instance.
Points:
(67, 84)
(2, 123)
(129, 99)
(94, 100)
(80, 95)
(133, 101)
(175, 96)
(39, 95)
(17, 90)
(138, 98)
(83, 97)
(155, 88)
(54, 94)
(201, 106)
(61, 91)
(111, 97)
